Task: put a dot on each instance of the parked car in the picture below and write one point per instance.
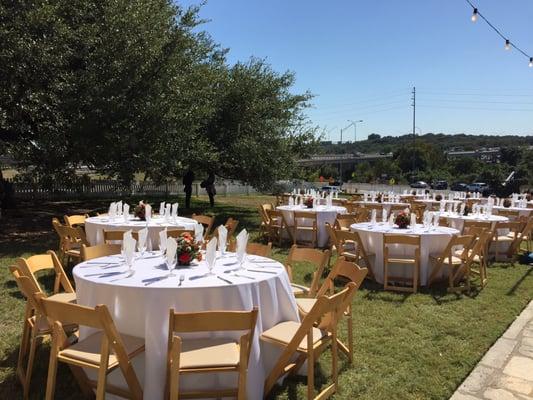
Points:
(439, 185)
(331, 189)
(477, 187)
(459, 187)
(419, 185)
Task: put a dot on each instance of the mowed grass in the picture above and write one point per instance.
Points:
(407, 346)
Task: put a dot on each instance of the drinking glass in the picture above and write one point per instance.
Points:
(171, 264)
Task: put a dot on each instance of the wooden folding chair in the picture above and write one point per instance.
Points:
(513, 215)
(453, 259)
(231, 225)
(207, 221)
(105, 350)
(113, 236)
(524, 235)
(277, 225)
(378, 208)
(344, 270)
(35, 327)
(305, 222)
(318, 258)
(478, 255)
(307, 340)
(48, 262)
(418, 209)
(332, 238)
(468, 225)
(350, 246)
(344, 221)
(263, 228)
(75, 220)
(362, 214)
(413, 261)
(508, 239)
(70, 240)
(100, 250)
(258, 249)
(201, 356)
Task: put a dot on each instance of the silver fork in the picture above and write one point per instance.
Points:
(182, 278)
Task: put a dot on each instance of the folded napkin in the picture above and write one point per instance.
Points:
(222, 238)
(436, 218)
(242, 242)
(129, 244)
(163, 240)
(291, 201)
(413, 220)
(384, 215)
(143, 234)
(172, 247)
(174, 210)
(112, 210)
(148, 212)
(391, 219)
(126, 212)
(211, 252)
(167, 212)
(373, 217)
(199, 233)
(162, 208)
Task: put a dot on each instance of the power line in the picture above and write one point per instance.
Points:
(476, 108)
(508, 43)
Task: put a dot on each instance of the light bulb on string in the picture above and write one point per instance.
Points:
(530, 62)
(474, 15)
(507, 44)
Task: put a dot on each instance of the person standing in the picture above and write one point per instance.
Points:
(188, 179)
(210, 188)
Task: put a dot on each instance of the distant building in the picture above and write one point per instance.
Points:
(491, 155)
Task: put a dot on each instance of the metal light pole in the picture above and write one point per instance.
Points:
(354, 123)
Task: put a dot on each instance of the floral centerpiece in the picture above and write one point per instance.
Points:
(187, 249)
(308, 202)
(403, 219)
(467, 211)
(438, 197)
(507, 203)
(379, 197)
(529, 197)
(140, 211)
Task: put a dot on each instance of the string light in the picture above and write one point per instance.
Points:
(474, 15)
(508, 43)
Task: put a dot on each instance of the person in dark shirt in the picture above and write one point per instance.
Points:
(210, 188)
(188, 179)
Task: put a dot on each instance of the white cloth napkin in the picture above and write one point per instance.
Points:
(174, 211)
(172, 247)
(126, 212)
(112, 210)
(373, 217)
(413, 220)
(291, 201)
(162, 208)
(384, 215)
(118, 205)
(163, 239)
(211, 252)
(222, 238)
(391, 219)
(143, 234)
(242, 242)
(148, 212)
(129, 244)
(167, 212)
(199, 233)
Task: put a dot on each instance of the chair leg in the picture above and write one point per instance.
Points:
(350, 336)
(35, 342)
(310, 368)
(23, 351)
(52, 372)
(334, 361)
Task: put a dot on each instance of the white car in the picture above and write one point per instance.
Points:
(477, 187)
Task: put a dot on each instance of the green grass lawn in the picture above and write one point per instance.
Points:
(416, 346)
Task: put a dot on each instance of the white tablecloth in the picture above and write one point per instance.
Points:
(432, 242)
(431, 202)
(457, 221)
(324, 214)
(522, 212)
(95, 226)
(143, 311)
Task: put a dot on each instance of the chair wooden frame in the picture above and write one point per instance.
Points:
(263, 228)
(322, 319)
(70, 240)
(453, 260)
(99, 250)
(210, 321)
(405, 240)
(299, 217)
(523, 235)
(258, 249)
(277, 225)
(113, 352)
(207, 221)
(513, 215)
(75, 220)
(35, 327)
(348, 271)
(359, 255)
(319, 259)
(467, 225)
(344, 221)
(514, 229)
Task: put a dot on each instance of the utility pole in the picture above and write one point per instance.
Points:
(354, 123)
(414, 124)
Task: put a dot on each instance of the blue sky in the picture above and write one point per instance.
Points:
(361, 59)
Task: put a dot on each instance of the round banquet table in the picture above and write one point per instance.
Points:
(323, 214)
(522, 212)
(95, 226)
(140, 307)
(387, 205)
(432, 242)
(457, 221)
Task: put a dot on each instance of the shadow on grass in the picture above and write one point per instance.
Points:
(519, 282)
